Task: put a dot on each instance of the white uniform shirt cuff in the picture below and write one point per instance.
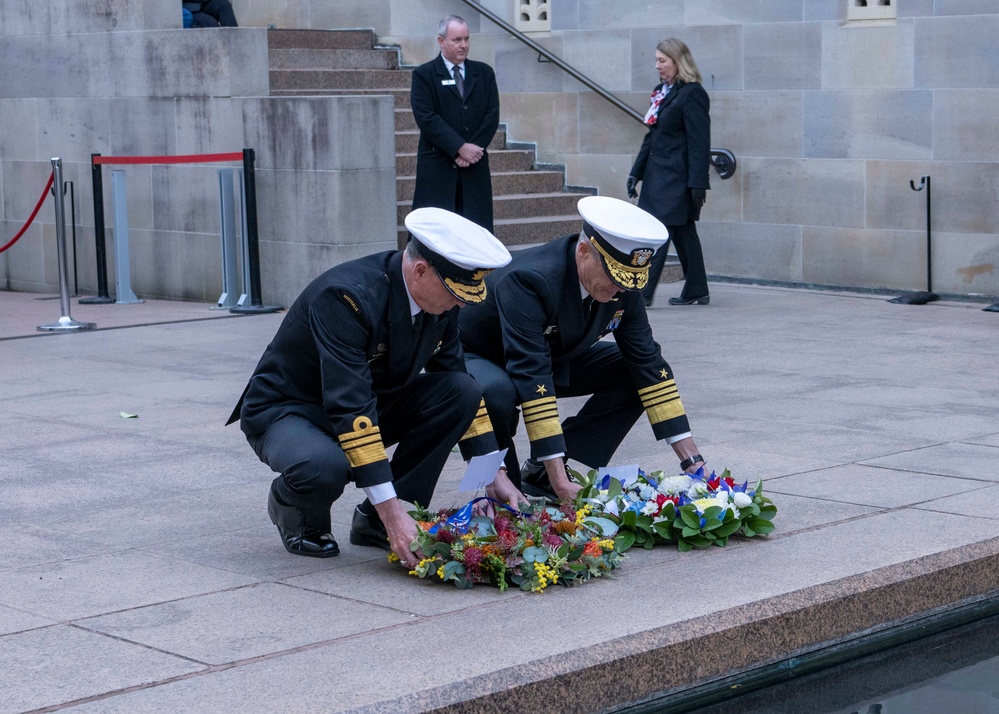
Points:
(380, 492)
(678, 437)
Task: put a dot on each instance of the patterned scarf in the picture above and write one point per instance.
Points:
(652, 116)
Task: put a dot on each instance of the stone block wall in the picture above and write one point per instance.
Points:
(125, 79)
(829, 121)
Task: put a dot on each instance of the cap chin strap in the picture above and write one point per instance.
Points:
(625, 277)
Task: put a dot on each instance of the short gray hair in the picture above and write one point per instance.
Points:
(442, 27)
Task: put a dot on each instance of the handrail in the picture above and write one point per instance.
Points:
(722, 159)
(554, 59)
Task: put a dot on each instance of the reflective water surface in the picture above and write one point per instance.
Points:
(955, 672)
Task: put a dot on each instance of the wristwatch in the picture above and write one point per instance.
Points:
(687, 463)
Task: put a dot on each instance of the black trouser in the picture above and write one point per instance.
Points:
(425, 420)
(688, 250)
(591, 436)
(213, 14)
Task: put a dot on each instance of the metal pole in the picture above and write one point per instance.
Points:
(122, 259)
(252, 248)
(929, 244)
(72, 214)
(227, 220)
(66, 322)
(102, 297)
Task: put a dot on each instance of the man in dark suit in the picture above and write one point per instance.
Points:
(456, 105)
(535, 338)
(368, 356)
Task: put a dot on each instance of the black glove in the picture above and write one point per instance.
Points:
(632, 182)
(698, 196)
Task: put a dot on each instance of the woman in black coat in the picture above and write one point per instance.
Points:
(673, 167)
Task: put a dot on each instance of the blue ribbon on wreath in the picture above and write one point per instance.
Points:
(462, 518)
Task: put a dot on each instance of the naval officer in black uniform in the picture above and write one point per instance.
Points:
(368, 356)
(535, 339)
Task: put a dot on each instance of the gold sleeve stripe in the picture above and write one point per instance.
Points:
(661, 401)
(662, 386)
(364, 445)
(541, 418)
(480, 424)
(665, 412)
(535, 404)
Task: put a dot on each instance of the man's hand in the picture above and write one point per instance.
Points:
(401, 529)
(687, 449)
(469, 153)
(503, 490)
(698, 196)
(632, 183)
(563, 487)
(461, 163)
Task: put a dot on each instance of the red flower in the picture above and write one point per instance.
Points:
(592, 549)
(446, 535)
(552, 540)
(473, 557)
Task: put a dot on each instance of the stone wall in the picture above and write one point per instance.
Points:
(125, 79)
(829, 120)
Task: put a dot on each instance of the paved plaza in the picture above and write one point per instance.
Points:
(139, 571)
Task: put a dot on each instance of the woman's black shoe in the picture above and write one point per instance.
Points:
(685, 301)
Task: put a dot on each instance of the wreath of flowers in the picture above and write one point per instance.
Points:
(691, 510)
(531, 550)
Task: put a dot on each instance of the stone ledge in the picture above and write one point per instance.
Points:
(632, 670)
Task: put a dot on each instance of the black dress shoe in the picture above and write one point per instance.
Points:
(368, 530)
(296, 537)
(312, 545)
(534, 481)
(704, 300)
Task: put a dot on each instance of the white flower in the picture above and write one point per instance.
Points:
(650, 508)
(674, 485)
(646, 492)
(697, 490)
(742, 500)
(633, 497)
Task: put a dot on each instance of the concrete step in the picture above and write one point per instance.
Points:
(401, 95)
(523, 205)
(503, 161)
(342, 79)
(503, 183)
(408, 141)
(536, 229)
(295, 58)
(321, 39)
(404, 120)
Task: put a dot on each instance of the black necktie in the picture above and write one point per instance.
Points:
(458, 81)
(589, 308)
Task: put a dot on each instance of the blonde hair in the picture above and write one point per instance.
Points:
(677, 51)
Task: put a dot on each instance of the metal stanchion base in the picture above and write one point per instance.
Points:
(918, 298)
(96, 300)
(67, 324)
(991, 308)
(255, 309)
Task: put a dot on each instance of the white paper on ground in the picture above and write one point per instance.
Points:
(481, 471)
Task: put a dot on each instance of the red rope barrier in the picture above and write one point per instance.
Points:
(34, 213)
(185, 159)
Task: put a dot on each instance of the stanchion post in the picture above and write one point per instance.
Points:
(252, 248)
(66, 322)
(923, 296)
(102, 297)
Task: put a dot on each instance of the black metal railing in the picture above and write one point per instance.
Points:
(722, 159)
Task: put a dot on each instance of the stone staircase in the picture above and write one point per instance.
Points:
(531, 204)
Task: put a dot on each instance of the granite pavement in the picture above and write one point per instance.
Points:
(139, 571)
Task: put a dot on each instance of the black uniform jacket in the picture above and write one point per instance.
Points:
(532, 321)
(675, 155)
(347, 343)
(446, 122)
